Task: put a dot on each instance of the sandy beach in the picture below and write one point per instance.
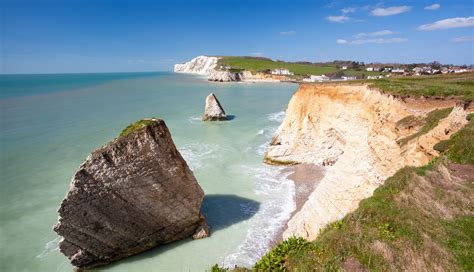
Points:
(305, 177)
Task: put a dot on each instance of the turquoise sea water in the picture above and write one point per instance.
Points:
(50, 123)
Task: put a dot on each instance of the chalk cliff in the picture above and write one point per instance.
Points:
(350, 129)
(201, 65)
(130, 195)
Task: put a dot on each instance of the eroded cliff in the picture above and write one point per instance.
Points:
(354, 132)
(201, 65)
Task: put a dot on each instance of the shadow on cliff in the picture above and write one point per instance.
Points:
(221, 211)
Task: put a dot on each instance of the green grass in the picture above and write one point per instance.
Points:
(397, 226)
(428, 123)
(458, 85)
(261, 64)
(136, 126)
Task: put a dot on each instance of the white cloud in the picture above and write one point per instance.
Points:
(338, 19)
(348, 10)
(448, 23)
(374, 34)
(433, 7)
(286, 33)
(390, 11)
(375, 41)
(256, 54)
(463, 39)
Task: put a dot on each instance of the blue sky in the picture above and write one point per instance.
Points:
(116, 35)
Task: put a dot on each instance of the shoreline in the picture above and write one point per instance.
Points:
(306, 177)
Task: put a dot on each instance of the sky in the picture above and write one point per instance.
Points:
(73, 36)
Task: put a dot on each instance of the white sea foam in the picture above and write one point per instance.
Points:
(50, 246)
(277, 193)
(195, 154)
(277, 116)
(195, 119)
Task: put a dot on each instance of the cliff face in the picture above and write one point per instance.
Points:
(352, 130)
(130, 195)
(201, 65)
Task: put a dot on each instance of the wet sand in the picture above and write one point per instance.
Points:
(306, 178)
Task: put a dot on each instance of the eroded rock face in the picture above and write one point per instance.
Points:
(223, 76)
(213, 110)
(351, 130)
(130, 195)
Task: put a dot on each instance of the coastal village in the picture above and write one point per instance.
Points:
(364, 71)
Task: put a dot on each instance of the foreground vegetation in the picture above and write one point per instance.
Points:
(298, 68)
(459, 85)
(420, 219)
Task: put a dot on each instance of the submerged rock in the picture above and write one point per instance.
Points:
(213, 110)
(130, 195)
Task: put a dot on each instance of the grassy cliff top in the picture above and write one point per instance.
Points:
(253, 64)
(137, 125)
(458, 85)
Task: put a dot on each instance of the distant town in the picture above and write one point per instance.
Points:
(336, 70)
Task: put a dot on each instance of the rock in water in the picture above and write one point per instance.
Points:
(213, 110)
(130, 195)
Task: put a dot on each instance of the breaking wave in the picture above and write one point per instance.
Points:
(277, 193)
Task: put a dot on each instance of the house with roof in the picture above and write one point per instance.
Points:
(282, 71)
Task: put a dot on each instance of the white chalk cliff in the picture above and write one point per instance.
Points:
(201, 65)
(352, 130)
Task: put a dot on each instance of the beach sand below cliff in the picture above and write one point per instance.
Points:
(306, 178)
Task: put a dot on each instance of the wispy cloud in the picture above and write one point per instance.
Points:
(374, 41)
(256, 54)
(463, 39)
(448, 23)
(338, 19)
(286, 33)
(374, 34)
(348, 10)
(389, 11)
(433, 7)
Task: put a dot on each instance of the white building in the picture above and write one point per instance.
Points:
(398, 70)
(282, 71)
(348, 78)
(369, 69)
(320, 78)
(344, 68)
(375, 77)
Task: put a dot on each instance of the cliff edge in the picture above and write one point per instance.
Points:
(354, 131)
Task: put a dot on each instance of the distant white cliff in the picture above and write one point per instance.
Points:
(201, 65)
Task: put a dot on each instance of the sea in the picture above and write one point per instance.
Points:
(50, 123)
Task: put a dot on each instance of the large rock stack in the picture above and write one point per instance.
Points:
(130, 195)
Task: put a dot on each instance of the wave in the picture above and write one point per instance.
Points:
(278, 202)
(195, 119)
(50, 246)
(195, 154)
(276, 116)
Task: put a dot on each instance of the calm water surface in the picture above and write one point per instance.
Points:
(50, 123)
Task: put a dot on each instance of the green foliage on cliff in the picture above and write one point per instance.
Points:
(411, 222)
(459, 85)
(136, 126)
(428, 123)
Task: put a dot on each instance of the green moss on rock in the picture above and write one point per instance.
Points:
(138, 125)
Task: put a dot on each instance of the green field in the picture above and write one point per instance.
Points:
(300, 69)
(459, 85)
